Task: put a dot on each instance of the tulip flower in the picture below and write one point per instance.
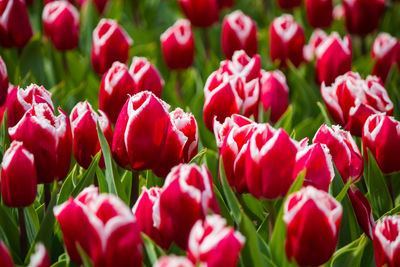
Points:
(213, 243)
(317, 37)
(319, 13)
(242, 65)
(84, 132)
(3, 82)
(61, 24)
(225, 3)
(5, 257)
(110, 43)
(40, 258)
(344, 151)
(334, 57)
(385, 51)
(377, 131)
(286, 41)
(387, 241)
(15, 26)
(221, 130)
(177, 45)
(201, 13)
(312, 219)
(239, 32)
(146, 76)
(288, 4)
(362, 209)
(350, 100)
(18, 185)
(173, 261)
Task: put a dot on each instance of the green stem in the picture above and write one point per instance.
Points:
(271, 216)
(390, 187)
(134, 188)
(23, 238)
(206, 42)
(47, 195)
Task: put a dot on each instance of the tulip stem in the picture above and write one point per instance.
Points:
(390, 187)
(23, 238)
(179, 85)
(206, 43)
(271, 214)
(134, 187)
(65, 62)
(363, 46)
(47, 195)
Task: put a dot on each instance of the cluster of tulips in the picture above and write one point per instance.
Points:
(192, 211)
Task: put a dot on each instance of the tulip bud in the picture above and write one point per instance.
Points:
(18, 185)
(312, 219)
(274, 94)
(110, 43)
(363, 17)
(146, 76)
(350, 100)
(378, 129)
(386, 241)
(239, 32)
(5, 258)
(61, 24)
(242, 65)
(84, 133)
(334, 57)
(116, 86)
(385, 51)
(173, 261)
(201, 13)
(53, 152)
(338, 12)
(15, 26)
(286, 41)
(3, 82)
(187, 196)
(40, 258)
(221, 130)
(316, 39)
(213, 243)
(178, 45)
(289, 4)
(362, 209)
(319, 13)
(270, 160)
(345, 153)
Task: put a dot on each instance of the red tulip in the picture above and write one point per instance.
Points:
(319, 13)
(289, 4)
(350, 100)
(201, 13)
(274, 93)
(3, 82)
(48, 138)
(5, 258)
(242, 65)
(186, 197)
(270, 160)
(116, 86)
(173, 261)
(386, 241)
(61, 24)
(316, 39)
(15, 26)
(239, 32)
(286, 41)
(110, 43)
(363, 16)
(40, 258)
(86, 142)
(385, 51)
(334, 57)
(221, 130)
(345, 153)
(381, 136)
(312, 219)
(177, 45)
(362, 209)
(146, 76)
(213, 243)
(18, 185)
(225, 3)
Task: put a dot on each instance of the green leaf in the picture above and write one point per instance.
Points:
(87, 177)
(350, 255)
(86, 261)
(286, 121)
(67, 186)
(152, 251)
(10, 229)
(198, 159)
(4, 141)
(324, 113)
(343, 192)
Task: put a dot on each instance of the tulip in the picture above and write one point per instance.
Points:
(385, 51)
(99, 4)
(221, 130)
(177, 45)
(61, 24)
(116, 86)
(146, 76)
(18, 185)
(239, 32)
(334, 57)
(110, 43)
(15, 26)
(5, 257)
(363, 16)
(362, 209)
(344, 151)
(319, 13)
(312, 219)
(386, 241)
(84, 132)
(201, 13)
(317, 37)
(286, 41)
(350, 100)
(53, 152)
(317, 162)
(213, 243)
(173, 261)
(186, 197)
(270, 161)
(40, 258)
(378, 129)
(225, 3)
(3, 82)
(242, 65)
(289, 4)
(274, 93)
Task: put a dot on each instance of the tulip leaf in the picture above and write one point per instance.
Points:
(198, 159)
(101, 180)
(223, 209)
(67, 186)
(324, 113)
(286, 121)
(339, 197)
(10, 228)
(87, 176)
(86, 261)
(4, 141)
(152, 251)
(62, 263)
(350, 255)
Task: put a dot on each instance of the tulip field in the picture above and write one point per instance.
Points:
(183, 133)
